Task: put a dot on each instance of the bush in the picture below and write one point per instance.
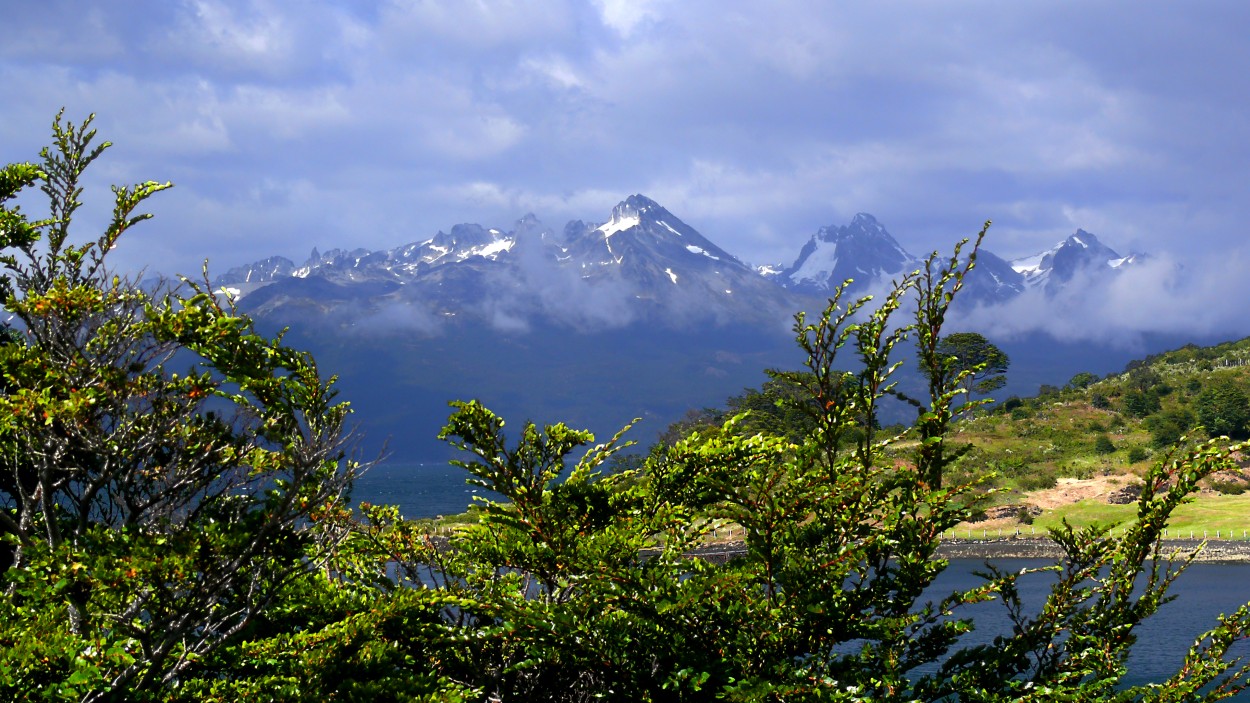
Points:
(1037, 481)
(1229, 488)
(1103, 445)
(1136, 454)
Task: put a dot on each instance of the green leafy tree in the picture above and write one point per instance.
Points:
(985, 362)
(1082, 380)
(151, 514)
(780, 407)
(1224, 409)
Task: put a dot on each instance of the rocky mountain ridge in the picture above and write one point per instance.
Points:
(642, 263)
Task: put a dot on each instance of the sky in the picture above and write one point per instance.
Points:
(289, 125)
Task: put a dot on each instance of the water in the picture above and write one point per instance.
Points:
(420, 490)
(1203, 592)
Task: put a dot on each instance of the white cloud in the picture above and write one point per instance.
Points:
(624, 16)
(472, 25)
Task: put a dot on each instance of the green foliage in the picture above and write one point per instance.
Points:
(971, 351)
(1230, 488)
(576, 582)
(147, 516)
(1138, 403)
(1224, 409)
(1103, 444)
(1082, 380)
(1169, 426)
(780, 407)
(1136, 454)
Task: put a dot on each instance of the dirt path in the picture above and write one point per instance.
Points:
(1073, 490)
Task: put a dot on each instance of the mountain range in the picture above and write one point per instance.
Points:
(642, 263)
(592, 323)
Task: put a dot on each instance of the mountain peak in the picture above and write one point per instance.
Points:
(863, 220)
(639, 203)
(1085, 240)
(631, 210)
(862, 250)
(1080, 251)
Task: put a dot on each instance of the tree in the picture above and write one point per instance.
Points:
(985, 362)
(1224, 409)
(151, 515)
(1082, 380)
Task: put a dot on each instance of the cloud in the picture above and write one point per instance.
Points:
(755, 123)
(1155, 295)
(624, 16)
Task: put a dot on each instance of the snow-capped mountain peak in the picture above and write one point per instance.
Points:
(1080, 251)
(861, 250)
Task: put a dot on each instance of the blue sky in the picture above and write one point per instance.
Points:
(288, 125)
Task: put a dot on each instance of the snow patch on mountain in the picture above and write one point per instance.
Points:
(618, 224)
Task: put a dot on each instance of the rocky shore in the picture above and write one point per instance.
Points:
(1215, 551)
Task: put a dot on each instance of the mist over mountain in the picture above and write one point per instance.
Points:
(641, 315)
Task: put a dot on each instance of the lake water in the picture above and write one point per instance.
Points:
(420, 490)
(1203, 593)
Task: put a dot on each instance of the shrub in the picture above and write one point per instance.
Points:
(1103, 445)
(1037, 481)
(1229, 488)
(1136, 454)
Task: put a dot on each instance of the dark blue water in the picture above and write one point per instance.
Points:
(1203, 592)
(420, 490)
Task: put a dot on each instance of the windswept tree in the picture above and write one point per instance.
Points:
(985, 364)
(162, 465)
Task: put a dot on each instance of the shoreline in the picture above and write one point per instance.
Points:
(1214, 551)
